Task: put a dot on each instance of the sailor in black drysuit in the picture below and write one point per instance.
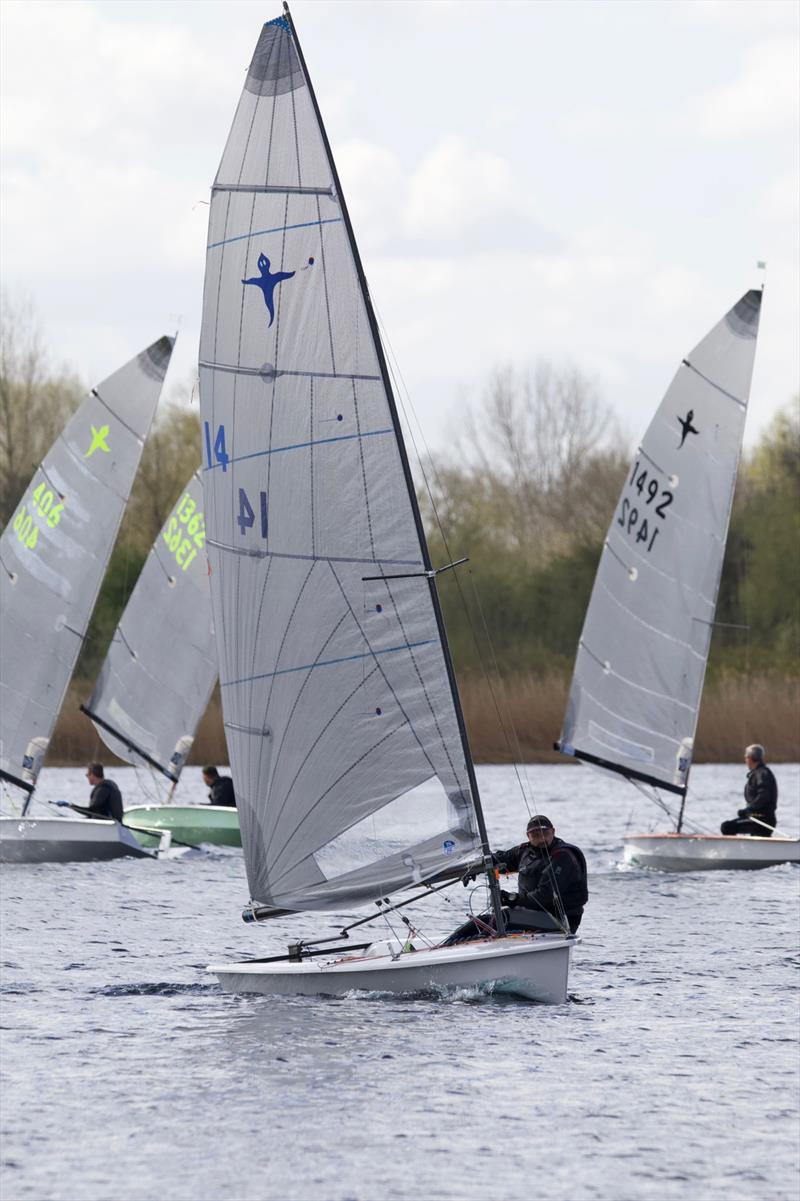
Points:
(220, 788)
(760, 796)
(551, 883)
(105, 799)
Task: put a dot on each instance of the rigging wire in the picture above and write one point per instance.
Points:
(404, 394)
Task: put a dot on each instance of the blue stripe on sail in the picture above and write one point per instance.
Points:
(284, 671)
(257, 454)
(279, 229)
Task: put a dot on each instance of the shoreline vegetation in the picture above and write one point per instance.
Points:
(735, 712)
(526, 488)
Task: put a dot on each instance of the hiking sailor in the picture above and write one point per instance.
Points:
(220, 788)
(760, 795)
(552, 885)
(105, 799)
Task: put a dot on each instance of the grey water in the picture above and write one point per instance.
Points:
(672, 1073)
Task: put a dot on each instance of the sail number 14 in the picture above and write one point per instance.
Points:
(651, 501)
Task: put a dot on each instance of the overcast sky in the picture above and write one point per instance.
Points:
(558, 179)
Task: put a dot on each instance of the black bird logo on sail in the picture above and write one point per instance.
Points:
(687, 427)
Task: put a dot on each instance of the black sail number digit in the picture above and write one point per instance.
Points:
(649, 488)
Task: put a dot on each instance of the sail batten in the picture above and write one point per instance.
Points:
(346, 679)
(56, 549)
(644, 647)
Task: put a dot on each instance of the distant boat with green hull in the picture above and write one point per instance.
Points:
(190, 825)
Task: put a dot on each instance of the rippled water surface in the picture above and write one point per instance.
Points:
(671, 1074)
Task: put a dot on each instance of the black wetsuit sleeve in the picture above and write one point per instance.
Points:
(508, 859)
(563, 878)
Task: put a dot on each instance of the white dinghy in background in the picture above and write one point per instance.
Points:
(66, 840)
(642, 655)
(704, 852)
(53, 556)
(353, 775)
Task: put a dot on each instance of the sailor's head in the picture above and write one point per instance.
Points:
(540, 831)
(210, 775)
(94, 773)
(753, 755)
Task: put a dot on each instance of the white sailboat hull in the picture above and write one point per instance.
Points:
(706, 852)
(535, 967)
(65, 840)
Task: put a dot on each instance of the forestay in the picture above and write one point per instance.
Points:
(642, 654)
(350, 769)
(156, 680)
(54, 553)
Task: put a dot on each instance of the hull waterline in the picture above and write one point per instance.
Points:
(191, 825)
(533, 967)
(708, 852)
(65, 840)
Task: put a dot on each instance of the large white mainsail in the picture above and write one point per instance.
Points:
(349, 757)
(54, 553)
(161, 666)
(642, 655)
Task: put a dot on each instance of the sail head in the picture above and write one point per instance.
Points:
(339, 712)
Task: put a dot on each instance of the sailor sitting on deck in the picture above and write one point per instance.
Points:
(552, 882)
(105, 799)
(220, 788)
(761, 798)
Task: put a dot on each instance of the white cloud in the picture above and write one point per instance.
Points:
(741, 16)
(764, 96)
(456, 186)
(779, 200)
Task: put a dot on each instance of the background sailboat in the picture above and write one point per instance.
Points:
(351, 765)
(642, 655)
(159, 673)
(52, 559)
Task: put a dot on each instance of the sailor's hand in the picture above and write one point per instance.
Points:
(508, 898)
(470, 874)
(742, 813)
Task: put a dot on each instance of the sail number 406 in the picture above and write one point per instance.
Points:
(45, 504)
(654, 501)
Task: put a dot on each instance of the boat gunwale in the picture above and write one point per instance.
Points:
(497, 948)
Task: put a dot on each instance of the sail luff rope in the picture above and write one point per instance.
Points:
(406, 468)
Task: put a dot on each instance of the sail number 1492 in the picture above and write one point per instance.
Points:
(637, 516)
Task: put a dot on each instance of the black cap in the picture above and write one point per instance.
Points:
(540, 822)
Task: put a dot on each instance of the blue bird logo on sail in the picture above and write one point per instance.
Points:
(268, 281)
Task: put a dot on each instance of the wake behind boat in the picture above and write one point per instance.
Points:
(641, 661)
(353, 774)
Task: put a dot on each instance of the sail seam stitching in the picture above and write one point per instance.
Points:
(283, 671)
(260, 233)
(275, 450)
